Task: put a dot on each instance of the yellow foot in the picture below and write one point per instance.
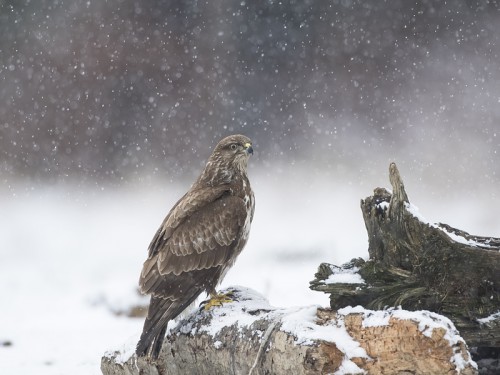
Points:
(217, 299)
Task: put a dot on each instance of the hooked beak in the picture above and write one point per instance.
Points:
(249, 148)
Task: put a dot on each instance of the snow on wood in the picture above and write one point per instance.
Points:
(249, 336)
(344, 276)
(420, 265)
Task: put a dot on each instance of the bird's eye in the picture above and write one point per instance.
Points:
(233, 146)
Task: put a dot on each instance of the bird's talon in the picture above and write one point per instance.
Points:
(218, 300)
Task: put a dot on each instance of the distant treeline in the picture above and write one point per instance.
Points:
(110, 89)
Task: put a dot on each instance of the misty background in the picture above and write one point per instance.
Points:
(99, 98)
(124, 90)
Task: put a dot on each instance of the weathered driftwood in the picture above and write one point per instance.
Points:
(419, 265)
(251, 337)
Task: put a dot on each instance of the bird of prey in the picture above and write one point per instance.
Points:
(198, 241)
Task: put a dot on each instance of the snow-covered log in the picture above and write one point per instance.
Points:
(420, 265)
(249, 336)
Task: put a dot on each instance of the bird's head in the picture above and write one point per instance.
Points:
(230, 156)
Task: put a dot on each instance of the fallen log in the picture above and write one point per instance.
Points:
(419, 265)
(249, 336)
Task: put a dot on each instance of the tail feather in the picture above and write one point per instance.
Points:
(150, 344)
(159, 313)
(175, 299)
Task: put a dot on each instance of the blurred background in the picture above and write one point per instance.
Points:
(109, 110)
(114, 91)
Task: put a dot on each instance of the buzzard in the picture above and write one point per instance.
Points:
(198, 241)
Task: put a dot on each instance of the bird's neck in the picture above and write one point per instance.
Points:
(216, 174)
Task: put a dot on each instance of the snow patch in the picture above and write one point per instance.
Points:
(413, 210)
(427, 321)
(218, 344)
(250, 308)
(344, 276)
(489, 319)
(383, 205)
(300, 322)
(125, 352)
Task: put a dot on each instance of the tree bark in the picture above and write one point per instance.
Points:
(251, 337)
(422, 266)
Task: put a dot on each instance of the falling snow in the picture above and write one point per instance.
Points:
(108, 111)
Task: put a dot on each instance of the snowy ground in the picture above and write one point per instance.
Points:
(69, 254)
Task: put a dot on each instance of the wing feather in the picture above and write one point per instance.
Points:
(188, 244)
(203, 240)
(200, 232)
(182, 210)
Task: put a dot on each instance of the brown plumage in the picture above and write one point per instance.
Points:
(198, 241)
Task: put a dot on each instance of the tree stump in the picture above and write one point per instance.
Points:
(251, 337)
(421, 266)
